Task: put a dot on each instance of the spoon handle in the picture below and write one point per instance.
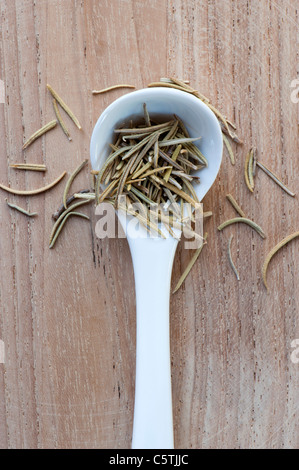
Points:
(152, 261)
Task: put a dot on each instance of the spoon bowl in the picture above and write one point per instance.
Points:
(153, 257)
(162, 104)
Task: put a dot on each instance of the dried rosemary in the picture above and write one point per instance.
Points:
(61, 217)
(144, 130)
(20, 209)
(114, 87)
(273, 252)
(60, 120)
(230, 258)
(156, 168)
(28, 167)
(185, 140)
(235, 205)
(61, 209)
(232, 135)
(247, 174)
(190, 265)
(243, 220)
(229, 149)
(64, 106)
(39, 133)
(35, 191)
(58, 231)
(250, 168)
(80, 195)
(70, 181)
(275, 178)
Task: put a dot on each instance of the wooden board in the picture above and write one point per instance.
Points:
(67, 315)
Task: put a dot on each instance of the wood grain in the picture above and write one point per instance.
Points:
(67, 315)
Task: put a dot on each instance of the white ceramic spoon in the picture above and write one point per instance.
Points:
(153, 257)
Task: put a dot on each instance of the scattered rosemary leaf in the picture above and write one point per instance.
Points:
(114, 87)
(221, 117)
(35, 191)
(90, 196)
(60, 120)
(28, 167)
(275, 178)
(61, 217)
(190, 265)
(64, 106)
(58, 231)
(247, 160)
(169, 80)
(70, 181)
(20, 209)
(254, 164)
(250, 169)
(231, 124)
(92, 179)
(230, 258)
(243, 220)
(181, 83)
(235, 205)
(232, 135)
(229, 149)
(273, 252)
(186, 86)
(39, 133)
(68, 202)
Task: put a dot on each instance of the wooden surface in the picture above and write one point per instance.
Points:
(67, 315)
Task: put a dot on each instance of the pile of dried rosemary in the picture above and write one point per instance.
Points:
(151, 164)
